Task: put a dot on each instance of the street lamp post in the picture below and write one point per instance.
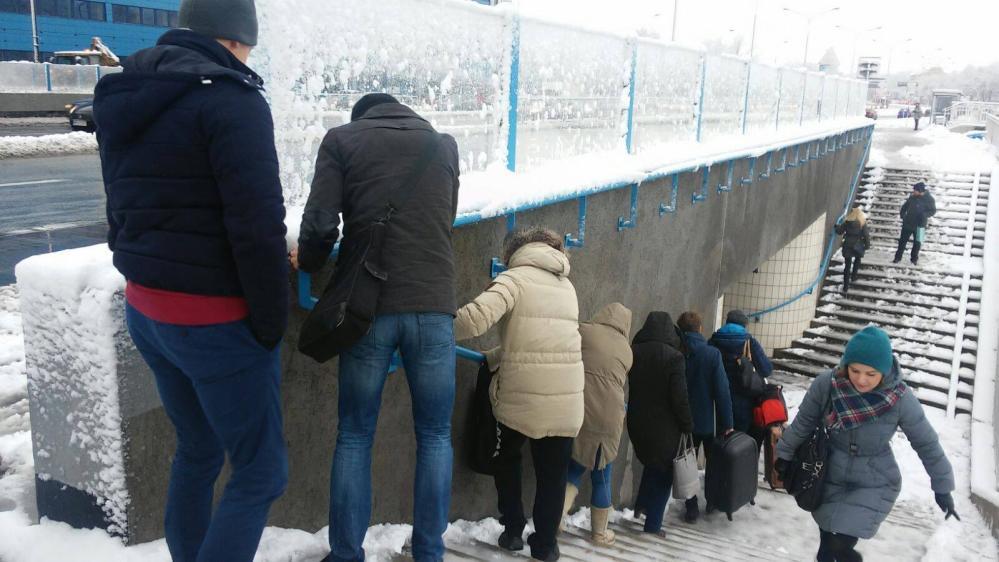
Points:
(672, 36)
(856, 38)
(809, 18)
(34, 31)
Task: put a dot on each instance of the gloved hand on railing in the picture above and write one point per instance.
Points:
(946, 503)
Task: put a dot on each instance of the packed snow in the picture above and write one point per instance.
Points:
(47, 145)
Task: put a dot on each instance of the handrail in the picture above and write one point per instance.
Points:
(832, 237)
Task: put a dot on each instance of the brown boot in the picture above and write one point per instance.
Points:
(570, 498)
(599, 533)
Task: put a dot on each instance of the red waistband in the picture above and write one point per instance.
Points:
(185, 309)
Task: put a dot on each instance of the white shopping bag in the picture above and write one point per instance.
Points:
(686, 480)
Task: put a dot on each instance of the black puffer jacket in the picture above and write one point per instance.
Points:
(194, 202)
(358, 165)
(856, 239)
(916, 211)
(658, 408)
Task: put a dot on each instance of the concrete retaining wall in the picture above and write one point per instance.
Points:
(21, 104)
(677, 262)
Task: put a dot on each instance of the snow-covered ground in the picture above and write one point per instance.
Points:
(47, 145)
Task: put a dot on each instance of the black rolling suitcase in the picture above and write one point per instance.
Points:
(731, 474)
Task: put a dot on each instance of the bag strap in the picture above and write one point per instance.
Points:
(397, 202)
(747, 350)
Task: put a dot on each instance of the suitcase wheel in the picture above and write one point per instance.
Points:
(752, 502)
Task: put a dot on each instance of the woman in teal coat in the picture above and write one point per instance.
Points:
(863, 402)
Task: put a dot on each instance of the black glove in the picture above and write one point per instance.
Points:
(782, 467)
(946, 503)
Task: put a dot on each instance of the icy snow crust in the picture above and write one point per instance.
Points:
(46, 145)
(71, 306)
(452, 61)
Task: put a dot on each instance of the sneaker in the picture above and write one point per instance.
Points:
(915, 262)
(509, 541)
(896, 260)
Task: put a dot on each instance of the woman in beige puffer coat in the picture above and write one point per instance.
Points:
(537, 393)
(607, 359)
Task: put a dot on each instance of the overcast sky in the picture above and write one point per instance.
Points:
(915, 35)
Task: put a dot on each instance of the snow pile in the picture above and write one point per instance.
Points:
(72, 308)
(950, 151)
(67, 143)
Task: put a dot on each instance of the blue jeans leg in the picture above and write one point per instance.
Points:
(600, 481)
(428, 356)
(363, 371)
(221, 390)
(576, 472)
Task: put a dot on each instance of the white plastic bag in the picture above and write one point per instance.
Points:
(686, 479)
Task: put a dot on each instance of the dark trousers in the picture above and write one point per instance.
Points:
(903, 241)
(851, 269)
(834, 547)
(551, 457)
(917, 125)
(653, 496)
(221, 391)
(704, 440)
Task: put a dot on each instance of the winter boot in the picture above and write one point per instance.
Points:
(693, 512)
(599, 533)
(510, 541)
(571, 492)
(536, 553)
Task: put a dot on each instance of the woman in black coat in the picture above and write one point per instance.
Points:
(856, 241)
(658, 411)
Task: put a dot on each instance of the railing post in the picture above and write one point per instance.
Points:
(630, 135)
(745, 98)
(511, 139)
(780, 94)
(822, 98)
(849, 98)
(580, 238)
(671, 208)
(700, 99)
(804, 90)
(48, 77)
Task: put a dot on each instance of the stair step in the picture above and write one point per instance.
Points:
(909, 347)
(947, 315)
(925, 372)
(949, 303)
(912, 334)
(908, 272)
(835, 281)
(937, 327)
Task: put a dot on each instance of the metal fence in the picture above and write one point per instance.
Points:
(31, 77)
(970, 112)
(992, 128)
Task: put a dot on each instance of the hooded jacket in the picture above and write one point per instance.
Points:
(862, 478)
(730, 340)
(358, 168)
(194, 203)
(916, 211)
(606, 360)
(658, 407)
(538, 387)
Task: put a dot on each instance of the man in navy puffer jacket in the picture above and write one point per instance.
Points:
(196, 219)
(731, 340)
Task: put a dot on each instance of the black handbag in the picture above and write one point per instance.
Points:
(743, 376)
(481, 446)
(807, 474)
(347, 307)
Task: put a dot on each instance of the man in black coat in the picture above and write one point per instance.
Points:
(915, 213)
(361, 167)
(196, 223)
(658, 411)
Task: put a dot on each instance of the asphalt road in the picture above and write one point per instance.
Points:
(49, 204)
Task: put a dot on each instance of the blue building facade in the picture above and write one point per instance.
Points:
(125, 26)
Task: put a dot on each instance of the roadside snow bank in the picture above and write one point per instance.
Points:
(950, 151)
(47, 145)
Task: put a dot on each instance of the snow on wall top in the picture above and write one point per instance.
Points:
(71, 307)
(452, 61)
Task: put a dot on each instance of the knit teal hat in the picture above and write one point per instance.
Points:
(872, 347)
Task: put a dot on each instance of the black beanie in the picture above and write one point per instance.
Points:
(737, 317)
(220, 19)
(919, 186)
(367, 102)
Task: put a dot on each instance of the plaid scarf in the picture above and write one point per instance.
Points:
(851, 408)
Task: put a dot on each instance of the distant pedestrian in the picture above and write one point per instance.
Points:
(862, 403)
(658, 412)
(196, 223)
(607, 359)
(917, 112)
(915, 213)
(708, 390)
(856, 241)
(537, 392)
(731, 340)
(363, 167)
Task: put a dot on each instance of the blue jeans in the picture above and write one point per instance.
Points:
(221, 390)
(600, 482)
(653, 496)
(426, 341)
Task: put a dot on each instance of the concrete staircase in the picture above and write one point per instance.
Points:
(930, 310)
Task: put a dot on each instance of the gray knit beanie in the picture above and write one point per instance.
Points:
(223, 19)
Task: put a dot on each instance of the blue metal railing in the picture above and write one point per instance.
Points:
(869, 134)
